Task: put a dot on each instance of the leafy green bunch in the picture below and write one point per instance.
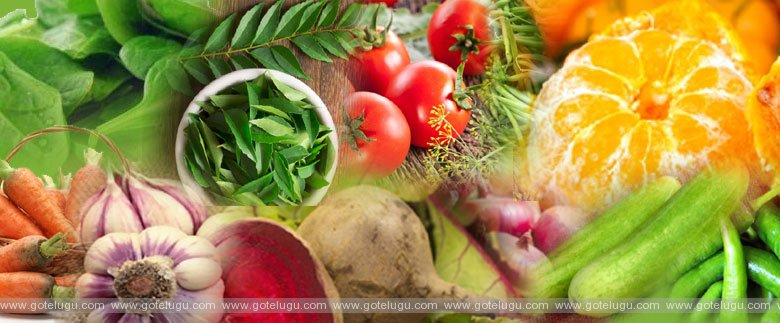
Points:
(258, 143)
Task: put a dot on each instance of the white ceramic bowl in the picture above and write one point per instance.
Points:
(246, 75)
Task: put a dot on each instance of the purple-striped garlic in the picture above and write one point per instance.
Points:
(160, 263)
(131, 203)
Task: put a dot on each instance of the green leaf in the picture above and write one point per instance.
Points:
(329, 14)
(228, 100)
(83, 8)
(312, 124)
(266, 138)
(283, 177)
(311, 48)
(351, 15)
(255, 185)
(316, 181)
(196, 143)
(287, 62)
(310, 16)
(288, 92)
(266, 58)
(180, 17)
(12, 18)
(267, 28)
(122, 18)
(52, 67)
(307, 170)
(294, 154)
(271, 110)
(81, 38)
(461, 260)
(269, 193)
(140, 53)
(239, 173)
(263, 154)
(238, 122)
(177, 76)
(212, 145)
(199, 69)
(27, 105)
(247, 27)
(241, 62)
(219, 67)
(281, 104)
(274, 126)
(219, 39)
(331, 44)
(290, 20)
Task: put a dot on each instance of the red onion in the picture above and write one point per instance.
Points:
(504, 214)
(556, 225)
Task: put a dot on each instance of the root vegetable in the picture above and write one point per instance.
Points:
(87, 182)
(30, 253)
(55, 193)
(556, 225)
(505, 214)
(28, 193)
(67, 280)
(375, 246)
(13, 223)
(276, 262)
(28, 285)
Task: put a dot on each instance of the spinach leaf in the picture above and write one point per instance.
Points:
(27, 105)
(122, 18)
(81, 38)
(184, 16)
(51, 67)
(140, 53)
(83, 8)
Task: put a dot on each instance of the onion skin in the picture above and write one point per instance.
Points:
(504, 214)
(556, 225)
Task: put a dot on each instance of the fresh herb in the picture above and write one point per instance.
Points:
(257, 38)
(258, 143)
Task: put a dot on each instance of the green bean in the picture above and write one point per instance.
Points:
(763, 269)
(714, 292)
(734, 273)
(768, 226)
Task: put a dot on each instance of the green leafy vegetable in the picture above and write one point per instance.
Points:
(140, 53)
(122, 18)
(81, 38)
(312, 26)
(258, 143)
(183, 17)
(39, 107)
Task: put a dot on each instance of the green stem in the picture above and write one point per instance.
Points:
(269, 43)
(59, 292)
(5, 170)
(54, 245)
(756, 204)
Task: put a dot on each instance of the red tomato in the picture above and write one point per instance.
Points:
(372, 70)
(420, 89)
(388, 133)
(448, 20)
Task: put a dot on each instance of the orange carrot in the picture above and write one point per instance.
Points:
(13, 223)
(30, 253)
(28, 193)
(29, 285)
(56, 194)
(88, 181)
(67, 280)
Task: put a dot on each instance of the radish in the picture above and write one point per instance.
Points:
(556, 225)
(262, 259)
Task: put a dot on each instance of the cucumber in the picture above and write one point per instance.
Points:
(685, 231)
(597, 238)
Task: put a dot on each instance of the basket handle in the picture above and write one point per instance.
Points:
(68, 128)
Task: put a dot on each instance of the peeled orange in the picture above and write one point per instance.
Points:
(658, 94)
(763, 115)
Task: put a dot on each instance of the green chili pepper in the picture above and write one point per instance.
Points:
(734, 274)
(768, 226)
(714, 292)
(696, 281)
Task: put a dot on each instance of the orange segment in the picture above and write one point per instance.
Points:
(763, 115)
(658, 94)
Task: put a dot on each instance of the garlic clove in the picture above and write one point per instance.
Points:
(161, 202)
(107, 212)
(193, 247)
(103, 315)
(95, 286)
(111, 251)
(211, 294)
(218, 221)
(198, 273)
(159, 240)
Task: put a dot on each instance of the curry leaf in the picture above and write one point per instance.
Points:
(273, 125)
(219, 39)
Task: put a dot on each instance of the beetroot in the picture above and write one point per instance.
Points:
(262, 259)
(556, 225)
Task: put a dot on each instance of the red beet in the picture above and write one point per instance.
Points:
(262, 259)
(556, 225)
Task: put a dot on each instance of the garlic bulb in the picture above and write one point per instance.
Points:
(158, 263)
(130, 204)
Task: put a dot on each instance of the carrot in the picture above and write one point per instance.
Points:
(28, 285)
(13, 223)
(56, 194)
(88, 181)
(67, 280)
(30, 253)
(28, 193)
